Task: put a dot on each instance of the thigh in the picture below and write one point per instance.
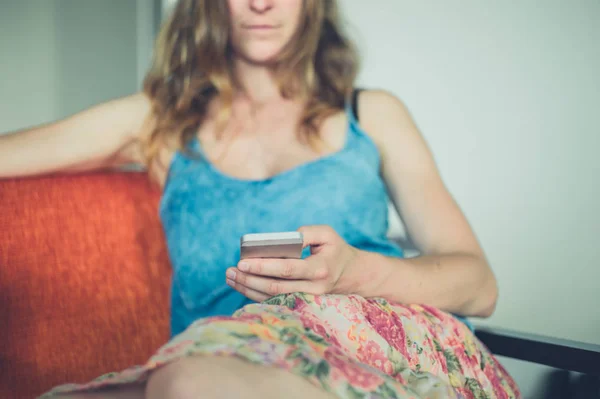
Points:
(132, 391)
(227, 377)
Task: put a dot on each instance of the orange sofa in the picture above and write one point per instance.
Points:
(84, 278)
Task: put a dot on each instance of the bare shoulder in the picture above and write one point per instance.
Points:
(380, 108)
(379, 97)
(133, 114)
(386, 119)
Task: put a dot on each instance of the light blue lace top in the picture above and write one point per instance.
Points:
(205, 212)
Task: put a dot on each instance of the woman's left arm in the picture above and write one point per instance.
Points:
(452, 272)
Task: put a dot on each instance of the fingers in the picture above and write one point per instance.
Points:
(250, 293)
(269, 286)
(289, 269)
(317, 235)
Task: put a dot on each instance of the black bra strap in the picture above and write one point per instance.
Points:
(354, 103)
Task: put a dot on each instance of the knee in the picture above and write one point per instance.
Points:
(179, 380)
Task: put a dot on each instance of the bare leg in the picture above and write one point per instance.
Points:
(124, 392)
(214, 377)
(227, 377)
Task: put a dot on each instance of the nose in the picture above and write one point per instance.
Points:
(261, 6)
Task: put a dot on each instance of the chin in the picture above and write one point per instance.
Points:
(261, 55)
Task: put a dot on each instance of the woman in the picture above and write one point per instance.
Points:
(246, 121)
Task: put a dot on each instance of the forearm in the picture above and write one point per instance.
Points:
(458, 283)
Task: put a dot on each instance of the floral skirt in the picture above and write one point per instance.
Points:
(347, 345)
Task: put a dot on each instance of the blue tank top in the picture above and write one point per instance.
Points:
(205, 212)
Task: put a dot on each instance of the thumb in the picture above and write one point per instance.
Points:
(317, 235)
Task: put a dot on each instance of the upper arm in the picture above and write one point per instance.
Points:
(104, 135)
(433, 220)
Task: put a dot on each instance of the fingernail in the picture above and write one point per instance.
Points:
(229, 282)
(231, 274)
(244, 266)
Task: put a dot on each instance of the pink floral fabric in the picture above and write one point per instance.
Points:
(348, 345)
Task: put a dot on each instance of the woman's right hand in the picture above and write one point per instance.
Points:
(102, 136)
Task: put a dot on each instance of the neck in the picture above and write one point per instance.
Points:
(257, 83)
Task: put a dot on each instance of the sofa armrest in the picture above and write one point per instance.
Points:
(554, 352)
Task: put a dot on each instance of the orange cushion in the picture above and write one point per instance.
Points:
(84, 279)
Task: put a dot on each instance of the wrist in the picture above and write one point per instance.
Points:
(371, 274)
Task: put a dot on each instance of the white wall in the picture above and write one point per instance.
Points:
(27, 64)
(61, 56)
(507, 94)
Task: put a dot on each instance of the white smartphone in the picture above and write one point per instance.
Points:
(272, 245)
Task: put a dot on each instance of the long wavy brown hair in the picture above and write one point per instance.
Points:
(192, 65)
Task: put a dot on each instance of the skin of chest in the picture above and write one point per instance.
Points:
(269, 144)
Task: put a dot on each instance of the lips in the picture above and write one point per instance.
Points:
(260, 27)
